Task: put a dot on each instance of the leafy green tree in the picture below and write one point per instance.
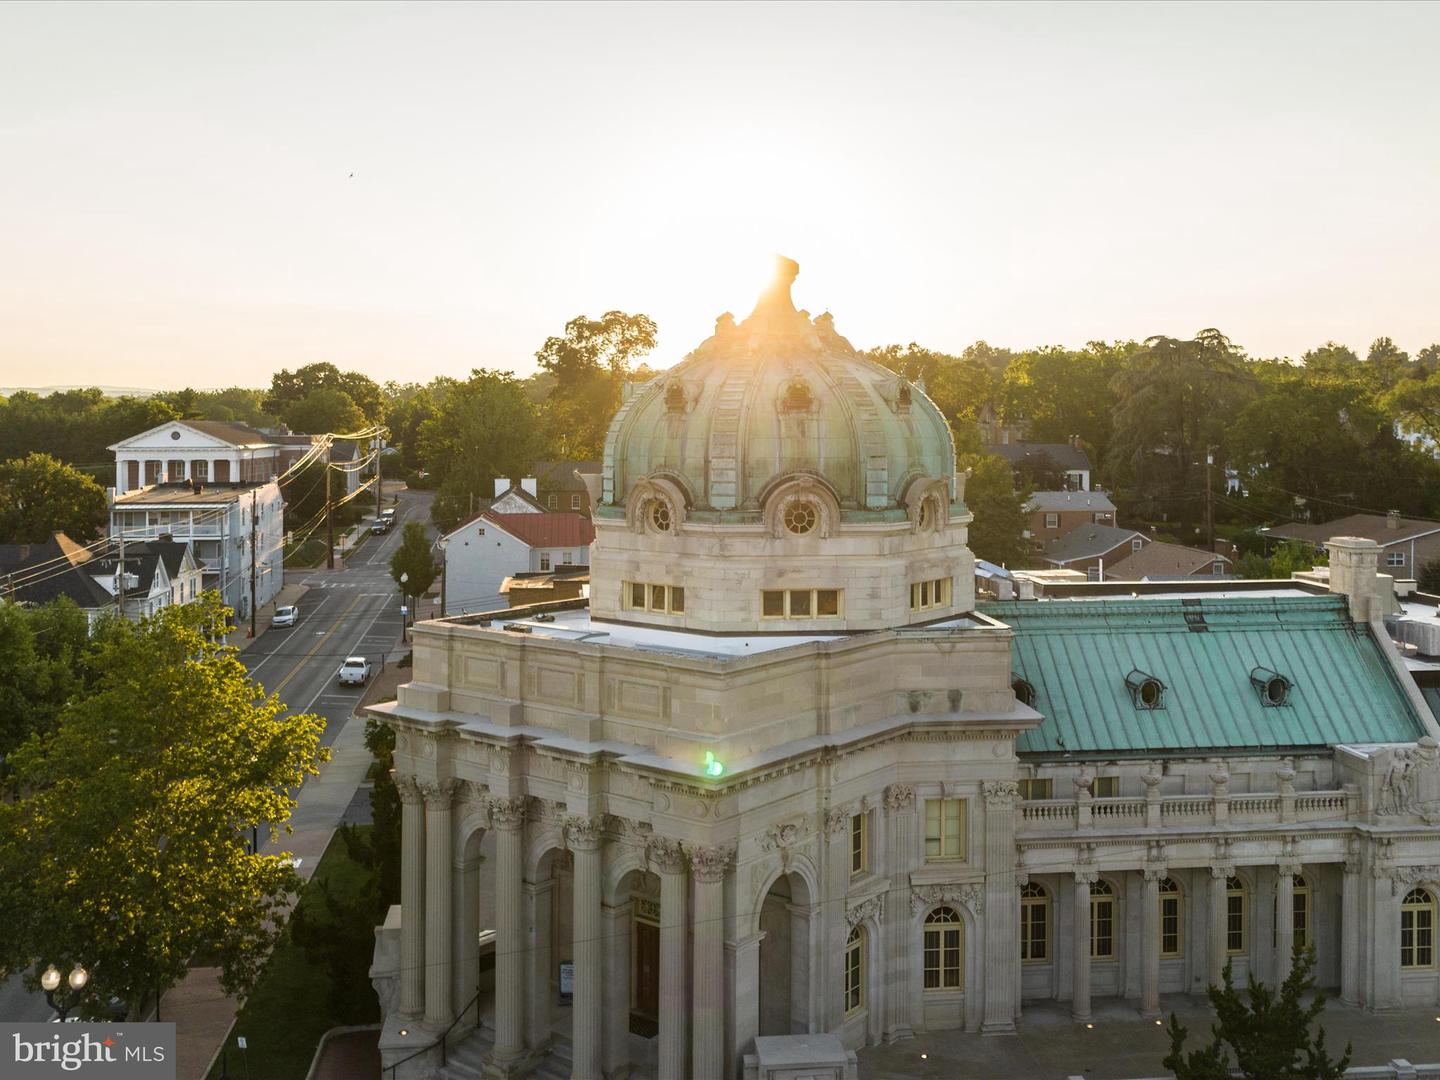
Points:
(1267, 1034)
(40, 496)
(959, 387)
(590, 362)
(236, 404)
(1387, 361)
(287, 389)
(1174, 397)
(485, 428)
(42, 650)
(407, 408)
(325, 410)
(1332, 358)
(997, 534)
(177, 745)
(1429, 580)
(1064, 392)
(413, 560)
(1415, 402)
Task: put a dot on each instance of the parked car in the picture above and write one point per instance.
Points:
(355, 671)
(285, 616)
(378, 526)
(388, 514)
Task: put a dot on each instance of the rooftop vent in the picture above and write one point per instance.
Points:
(1024, 691)
(516, 628)
(1146, 691)
(1273, 688)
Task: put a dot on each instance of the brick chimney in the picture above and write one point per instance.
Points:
(1392, 519)
(1354, 567)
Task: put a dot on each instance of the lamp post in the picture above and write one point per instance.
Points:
(61, 1002)
(404, 608)
(444, 543)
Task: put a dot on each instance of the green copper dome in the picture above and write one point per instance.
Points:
(771, 398)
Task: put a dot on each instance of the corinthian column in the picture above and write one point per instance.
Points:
(1219, 945)
(669, 858)
(1080, 991)
(508, 818)
(900, 853)
(1150, 944)
(1284, 919)
(1350, 931)
(711, 865)
(438, 1006)
(584, 838)
(412, 897)
(1002, 908)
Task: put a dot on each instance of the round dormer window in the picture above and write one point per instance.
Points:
(660, 515)
(927, 514)
(175, 434)
(801, 517)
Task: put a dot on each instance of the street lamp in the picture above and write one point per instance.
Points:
(404, 608)
(444, 543)
(63, 1003)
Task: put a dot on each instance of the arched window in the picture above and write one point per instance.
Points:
(1102, 920)
(1237, 910)
(797, 397)
(660, 515)
(801, 517)
(1172, 927)
(675, 398)
(1301, 904)
(944, 950)
(1034, 923)
(1417, 930)
(855, 970)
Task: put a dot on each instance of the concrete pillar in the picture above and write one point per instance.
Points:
(835, 871)
(1284, 919)
(1218, 946)
(1354, 566)
(669, 858)
(540, 953)
(901, 848)
(1350, 932)
(439, 1008)
(508, 818)
(1080, 967)
(710, 865)
(412, 897)
(465, 880)
(742, 961)
(617, 990)
(1150, 944)
(585, 837)
(1002, 908)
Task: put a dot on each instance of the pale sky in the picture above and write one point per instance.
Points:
(177, 205)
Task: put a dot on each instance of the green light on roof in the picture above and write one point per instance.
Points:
(713, 767)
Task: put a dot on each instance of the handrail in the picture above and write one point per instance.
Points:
(440, 1042)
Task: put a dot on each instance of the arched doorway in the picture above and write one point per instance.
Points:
(785, 952)
(550, 904)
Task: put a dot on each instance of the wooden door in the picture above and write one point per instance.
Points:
(647, 969)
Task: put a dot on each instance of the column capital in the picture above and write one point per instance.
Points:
(439, 793)
(899, 797)
(409, 789)
(1285, 870)
(508, 814)
(1156, 873)
(667, 854)
(999, 793)
(1086, 877)
(1221, 871)
(584, 834)
(711, 863)
(836, 820)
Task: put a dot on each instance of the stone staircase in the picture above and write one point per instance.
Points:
(466, 1059)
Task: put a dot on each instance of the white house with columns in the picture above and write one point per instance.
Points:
(781, 774)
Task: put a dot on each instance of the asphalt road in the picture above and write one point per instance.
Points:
(346, 612)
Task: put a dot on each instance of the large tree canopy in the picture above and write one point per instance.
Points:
(323, 411)
(40, 496)
(590, 363)
(123, 833)
(289, 388)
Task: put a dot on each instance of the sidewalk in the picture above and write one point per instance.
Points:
(203, 1015)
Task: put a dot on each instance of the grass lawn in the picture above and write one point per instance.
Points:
(291, 1007)
(309, 552)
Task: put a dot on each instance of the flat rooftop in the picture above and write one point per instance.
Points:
(185, 495)
(567, 621)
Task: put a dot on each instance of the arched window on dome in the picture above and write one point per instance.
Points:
(797, 397)
(674, 398)
(903, 396)
(659, 515)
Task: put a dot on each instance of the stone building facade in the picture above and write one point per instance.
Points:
(781, 775)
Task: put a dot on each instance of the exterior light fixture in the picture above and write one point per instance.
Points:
(1089, 1027)
(58, 1000)
(713, 767)
(404, 1031)
(51, 979)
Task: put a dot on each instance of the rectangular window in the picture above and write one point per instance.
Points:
(1102, 927)
(677, 599)
(637, 596)
(1235, 922)
(1052, 521)
(544, 560)
(657, 597)
(551, 503)
(1217, 568)
(859, 844)
(567, 559)
(1034, 926)
(200, 470)
(574, 502)
(944, 828)
(855, 971)
(772, 605)
(1035, 788)
(1106, 787)
(1136, 544)
(929, 594)
(1417, 935)
(1170, 936)
(827, 602)
(800, 603)
(1394, 558)
(1092, 574)
(943, 966)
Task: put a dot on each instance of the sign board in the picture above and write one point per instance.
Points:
(404, 609)
(567, 981)
(104, 1051)
(240, 1041)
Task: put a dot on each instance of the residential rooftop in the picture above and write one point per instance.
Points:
(1384, 529)
(183, 494)
(1089, 542)
(1060, 501)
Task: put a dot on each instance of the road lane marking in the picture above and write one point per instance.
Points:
(326, 686)
(315, 648)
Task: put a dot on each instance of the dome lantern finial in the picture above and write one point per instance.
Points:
(775, 300)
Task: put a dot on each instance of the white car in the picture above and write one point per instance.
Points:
(355, 671)
(285, 616)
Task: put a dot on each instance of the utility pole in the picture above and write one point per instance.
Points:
(120, 578)
(1209, 502)
(254, 558)
(329, 525)
(379, 485)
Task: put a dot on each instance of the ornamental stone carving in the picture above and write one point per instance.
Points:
(409, 789)
(1398, 789)
(1156, 873)
(1402, 878)
(711, 863)
(924, 896)
(668, 855)
(999, 793)
(779, 837)
(899, 797)
(1086, 877)
(508, 813)
(1219, 871)
(584, 834)
(872, 907)
(836, 821)
(439, 793)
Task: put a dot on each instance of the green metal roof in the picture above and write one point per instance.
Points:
(1077, 654)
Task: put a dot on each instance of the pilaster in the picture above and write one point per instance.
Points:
(1002, 908)
(508, 819)
(901, 845)
(1150, 943)
(583, 836)
(439, 1009)
(669, 858)
(1080, 968)
(710, 865)
(412, 897)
